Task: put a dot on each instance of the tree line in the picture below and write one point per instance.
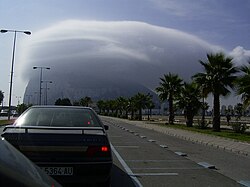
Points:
(219, 77)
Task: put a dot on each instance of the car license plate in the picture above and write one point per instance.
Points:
(58, 170)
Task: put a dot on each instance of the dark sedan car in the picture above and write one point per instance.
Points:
(68, 143)
(17, 170)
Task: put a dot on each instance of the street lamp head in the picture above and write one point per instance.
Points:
(34, 67)
(47, 68)
(3, 31)
(27, 32)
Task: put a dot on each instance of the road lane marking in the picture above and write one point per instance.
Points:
(207, 165)
(126, 146)
(173, 160)
(151, 140)
(181, 153)
(191, 168)
(126, 167)
(156, 174)
(143, 137)
(164, 146)
(245, 183)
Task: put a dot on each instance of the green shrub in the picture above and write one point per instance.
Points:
(203, 125)
(239, 127)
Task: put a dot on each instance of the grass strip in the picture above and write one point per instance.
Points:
(224, 133)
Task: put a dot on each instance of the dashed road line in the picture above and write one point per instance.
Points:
(180, 153)
(164, 146)
(126, 146)
(245, 183)
(206, 165)
(126, 167)
(156, 174)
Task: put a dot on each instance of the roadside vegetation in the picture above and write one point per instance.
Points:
(224, 133)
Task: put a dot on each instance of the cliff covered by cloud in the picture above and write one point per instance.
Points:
(107, 59)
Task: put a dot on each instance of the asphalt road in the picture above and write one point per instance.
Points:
(144, 157)
(148, 158)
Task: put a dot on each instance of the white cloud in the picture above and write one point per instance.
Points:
(240, 55)
(84, 51)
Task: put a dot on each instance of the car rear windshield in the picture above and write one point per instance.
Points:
(59, 117)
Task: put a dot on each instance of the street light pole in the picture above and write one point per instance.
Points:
(18, 99)
(2, 102)
(12, 63)
(40, 82)
(45, 92)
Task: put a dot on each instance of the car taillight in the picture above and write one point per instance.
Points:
(98, 151)
(105, 149)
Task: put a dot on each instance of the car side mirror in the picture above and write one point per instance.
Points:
(106, 127)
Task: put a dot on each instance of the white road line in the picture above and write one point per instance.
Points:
(191, 168)
(127, 146)
(173, 160)
(164, 146)
(245, 183)
(207, 165)
(126, 167)
(181, 153)
(156, 174)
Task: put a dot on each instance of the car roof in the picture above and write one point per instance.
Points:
(59, 106)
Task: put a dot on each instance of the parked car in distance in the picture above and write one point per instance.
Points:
(3, 113)
(18, 170)
(69, 143)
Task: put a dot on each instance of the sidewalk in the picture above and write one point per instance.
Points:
(210, 140)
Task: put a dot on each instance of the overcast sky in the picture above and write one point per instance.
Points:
(214, 23)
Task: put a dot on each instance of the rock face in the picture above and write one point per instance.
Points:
(75, 90)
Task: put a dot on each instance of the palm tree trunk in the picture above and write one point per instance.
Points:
(171, 111)
(203, 112)
(190, 117)
(216, 118)
(140, 114)
(132, 114)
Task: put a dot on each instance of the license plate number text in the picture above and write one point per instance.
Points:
(58, 170)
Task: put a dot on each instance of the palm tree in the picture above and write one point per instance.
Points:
(141, 101)
(217, 78)
(63, 102)
(122, 104)
(189, 100)
(132, 106)
(86, 101)
(204, 90)
(101, 105)
(150, 106)
(243, 85)
(111, 105)
(169, 88)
